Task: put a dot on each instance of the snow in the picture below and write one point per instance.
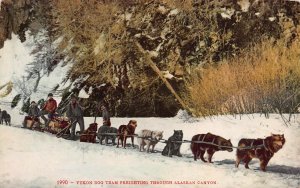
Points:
(245, 4)
(162, 9)
(272, 19)
(48, 82)
(128, 16)
(173, 12)
(167, 74)
(227, 13)
(14, 60)
(153, 53)
(84, 94)
(34, 159)
(14, 57)
(58, 41)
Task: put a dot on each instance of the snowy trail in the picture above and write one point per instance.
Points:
(35, 159)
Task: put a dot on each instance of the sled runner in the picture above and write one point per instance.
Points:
(65, 132)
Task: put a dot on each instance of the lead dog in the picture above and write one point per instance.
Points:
(263, 149)
(126, 131)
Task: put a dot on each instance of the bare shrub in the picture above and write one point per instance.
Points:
(264, 79)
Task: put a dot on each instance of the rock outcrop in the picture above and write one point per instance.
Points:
(14, 18)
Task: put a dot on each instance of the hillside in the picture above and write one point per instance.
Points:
(141, 57)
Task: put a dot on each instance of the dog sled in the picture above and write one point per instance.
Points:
(32, 123)
(58, 125)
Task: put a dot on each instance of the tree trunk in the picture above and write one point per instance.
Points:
(166, 82)
(37, 82)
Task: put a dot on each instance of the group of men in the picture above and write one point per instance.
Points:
(49, 108)
(74, 111)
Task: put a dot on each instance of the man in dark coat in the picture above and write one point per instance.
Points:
(105, 115)
(33, 113)
(75, 114)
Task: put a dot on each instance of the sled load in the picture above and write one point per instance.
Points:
(89, 135)
(32, 123)
(57, 125)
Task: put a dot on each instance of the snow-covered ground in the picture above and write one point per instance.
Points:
(35, 159)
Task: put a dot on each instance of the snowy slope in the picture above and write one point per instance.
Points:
(14, 57)
(34, 159)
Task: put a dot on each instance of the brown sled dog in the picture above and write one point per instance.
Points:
(199, 149)
(263, 149)
(89, 135)
(124, 131)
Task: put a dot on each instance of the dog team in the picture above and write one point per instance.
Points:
(263, 149)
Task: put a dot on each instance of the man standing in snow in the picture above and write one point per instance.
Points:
(75, 114)
(49, 108)
(105, 115)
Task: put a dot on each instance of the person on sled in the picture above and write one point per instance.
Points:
(105, 115)
(49, 108)
(33, 114)
(75, 114)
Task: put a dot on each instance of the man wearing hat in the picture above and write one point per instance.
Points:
(105, 115)
(49, 108)
(33, 113)
(75, 114)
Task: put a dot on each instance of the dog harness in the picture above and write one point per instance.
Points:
(213, 141)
